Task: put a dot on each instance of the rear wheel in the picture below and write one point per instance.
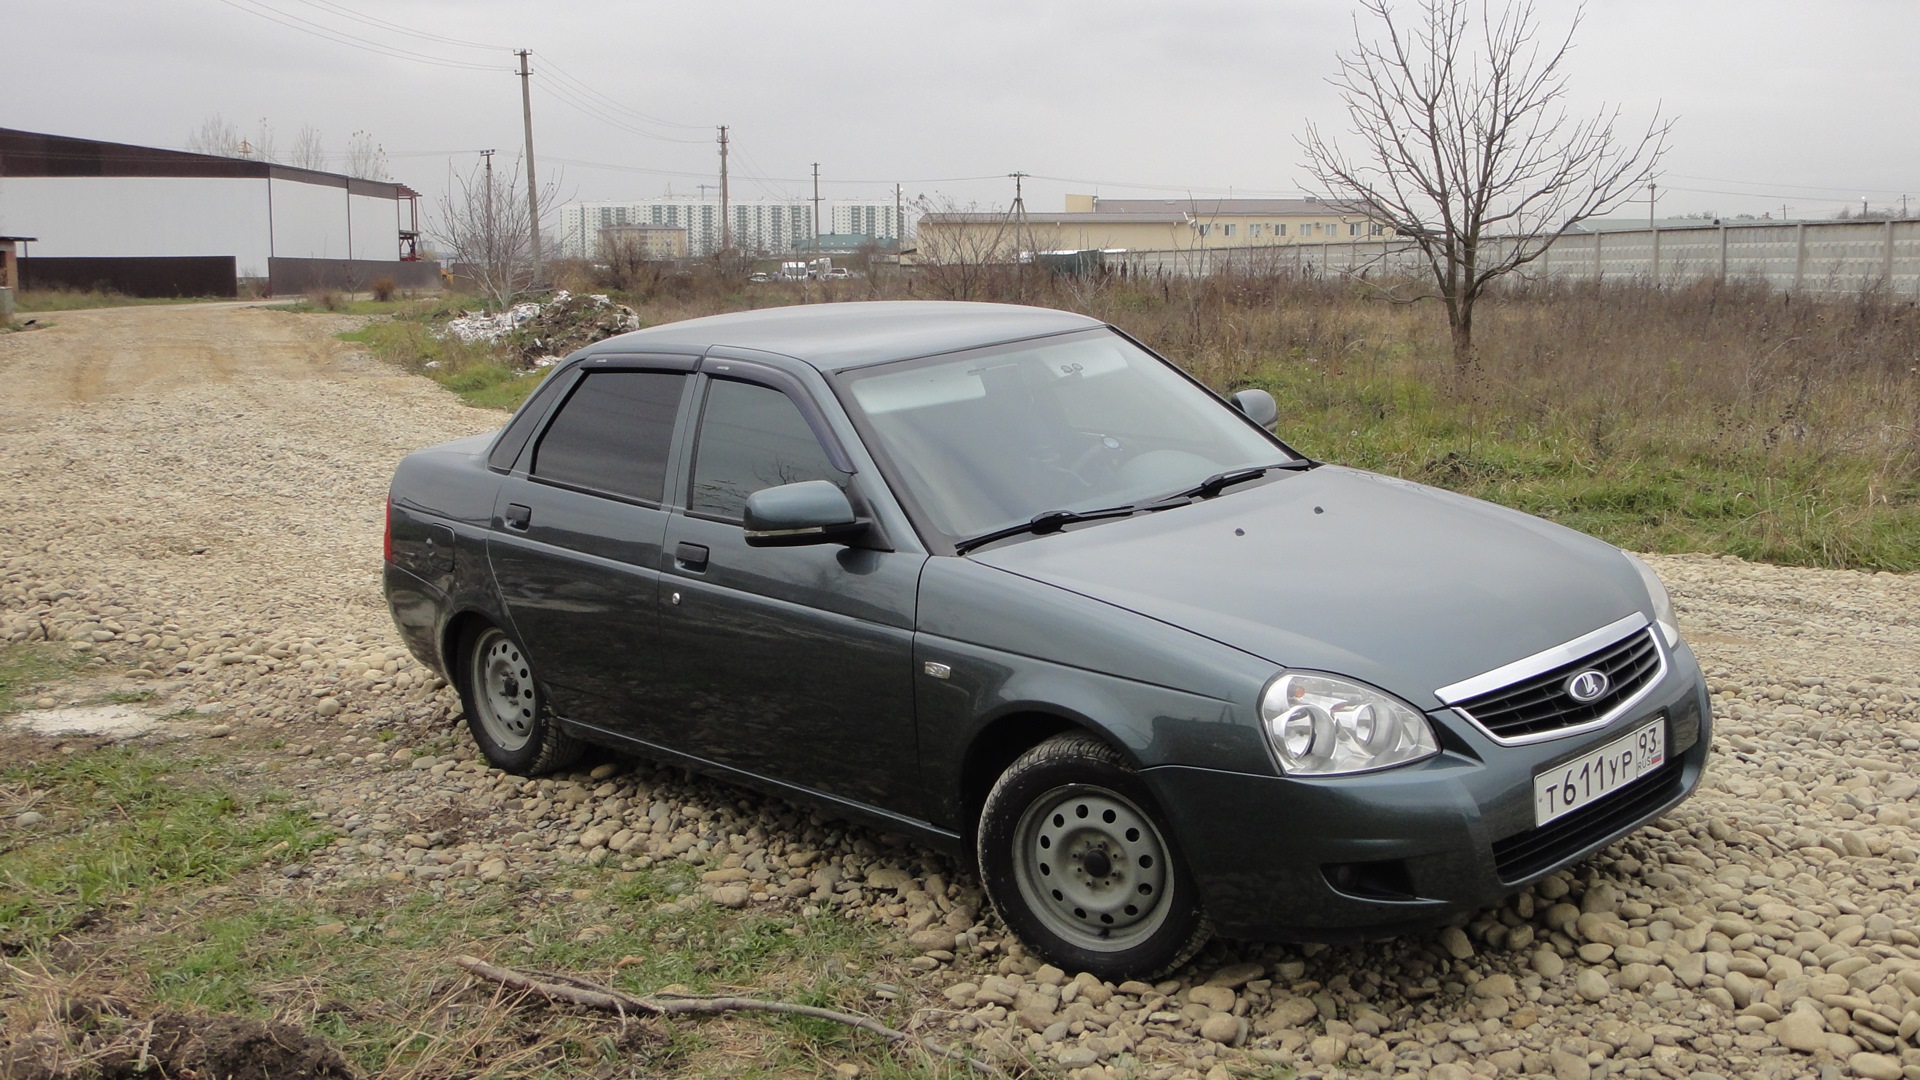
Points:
(1076, 861)
(506, 711)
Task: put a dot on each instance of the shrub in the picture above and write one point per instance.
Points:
(383, 288)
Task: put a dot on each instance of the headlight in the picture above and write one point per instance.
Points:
(1662, 603)
(1321, 725)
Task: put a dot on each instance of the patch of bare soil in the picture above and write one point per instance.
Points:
(88, 1039)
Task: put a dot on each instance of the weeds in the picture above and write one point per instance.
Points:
(29, 301)
(143, 869)
(1715, 418)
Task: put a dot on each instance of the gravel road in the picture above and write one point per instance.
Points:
(196, 492)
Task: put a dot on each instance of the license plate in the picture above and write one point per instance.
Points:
(1573, 784)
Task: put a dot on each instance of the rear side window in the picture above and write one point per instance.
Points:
(752, 437)
(612, 435)
(514, 439)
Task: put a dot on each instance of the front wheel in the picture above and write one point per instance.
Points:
(506, 710)
(1076, 861)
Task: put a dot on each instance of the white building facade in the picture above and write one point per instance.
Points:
(878, 221)
(760, 226)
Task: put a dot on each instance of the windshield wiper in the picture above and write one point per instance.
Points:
(1050, 521)
(1220, 481)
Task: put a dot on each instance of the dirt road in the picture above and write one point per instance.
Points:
(195, 493)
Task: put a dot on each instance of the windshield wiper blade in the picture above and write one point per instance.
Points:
(1220, 481)
(1049, 521)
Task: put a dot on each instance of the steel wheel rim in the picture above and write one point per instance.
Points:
(1092, 867)
(503, 690)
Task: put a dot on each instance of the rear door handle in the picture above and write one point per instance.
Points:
(690, 556)
(519, 517)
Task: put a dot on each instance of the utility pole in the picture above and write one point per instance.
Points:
(726, 225)
(488, 154)
(1652, 194)
(900, 223)
(1019, 230)
(816, 208)
(533, 189)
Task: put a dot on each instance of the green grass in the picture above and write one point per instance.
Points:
(480, 374)
(147, 870)
(26, 665)
(1662, 490)
(124, 828)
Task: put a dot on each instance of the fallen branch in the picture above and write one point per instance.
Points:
(578, 991)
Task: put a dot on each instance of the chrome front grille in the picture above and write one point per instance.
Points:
(1529, 700)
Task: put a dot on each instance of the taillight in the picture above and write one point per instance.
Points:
(386, 541)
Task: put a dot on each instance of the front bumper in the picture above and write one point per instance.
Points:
(1341, 858)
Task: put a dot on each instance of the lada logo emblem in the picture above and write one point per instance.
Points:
(1587, 686)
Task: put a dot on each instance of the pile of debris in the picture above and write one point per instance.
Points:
(538, 335)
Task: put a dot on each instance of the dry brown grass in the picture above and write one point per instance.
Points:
(1710, 417)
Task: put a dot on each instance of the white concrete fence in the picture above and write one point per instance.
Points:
(1837, 258)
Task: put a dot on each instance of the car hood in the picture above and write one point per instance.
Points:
(1405, 586)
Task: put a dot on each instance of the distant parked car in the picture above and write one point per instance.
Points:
(1001, 578)
(760, 276)
(838, 273)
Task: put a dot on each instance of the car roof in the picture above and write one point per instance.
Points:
(834, 337)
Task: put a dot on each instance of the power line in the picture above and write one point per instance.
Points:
(613, 103)
(574, 101)
(383, 24)
(1795, 187)
(341, 37)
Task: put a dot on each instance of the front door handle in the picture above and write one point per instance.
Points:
(519, 517)
(690, 556)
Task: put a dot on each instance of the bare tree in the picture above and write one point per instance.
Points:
(961, 253)
(482, 223)
(366, 159)
(215, 136)
(1467, 148)
(261, 146)
(308, 152)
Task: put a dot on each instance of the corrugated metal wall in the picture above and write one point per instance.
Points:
(1814, 258)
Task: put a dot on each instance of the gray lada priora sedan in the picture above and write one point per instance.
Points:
(1002, 578)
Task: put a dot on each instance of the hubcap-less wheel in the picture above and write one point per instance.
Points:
(1092, 867)
(503, 690)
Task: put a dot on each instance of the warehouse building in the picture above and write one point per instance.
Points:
(152, 222)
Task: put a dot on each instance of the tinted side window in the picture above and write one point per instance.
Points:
(520, 428)
(752, 437)
(613, 433)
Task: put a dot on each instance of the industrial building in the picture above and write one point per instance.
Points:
(149, 221)
(759, 226)
(1089, 222)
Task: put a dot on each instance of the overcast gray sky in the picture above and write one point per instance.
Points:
(1779, 103)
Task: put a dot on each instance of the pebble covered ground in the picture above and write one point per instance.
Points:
(196, 493)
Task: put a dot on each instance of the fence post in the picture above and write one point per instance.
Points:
(1799, 254)
(1596, 257)
(1655, 230)
(1723, 254)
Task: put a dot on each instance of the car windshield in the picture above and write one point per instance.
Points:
(988, 439)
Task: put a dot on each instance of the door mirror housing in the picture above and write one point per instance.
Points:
(810, 512)
(1258, 405)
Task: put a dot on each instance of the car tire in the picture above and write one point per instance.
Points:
(506, 708)
(1075, 858)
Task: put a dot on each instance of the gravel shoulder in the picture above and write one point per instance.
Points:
(195, 493)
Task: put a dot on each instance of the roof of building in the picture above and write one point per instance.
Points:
(834, 337)
(1202, 208)
(36, 154)
(1053, 217)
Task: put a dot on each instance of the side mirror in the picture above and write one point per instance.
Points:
(1258, 405)
(810, 512)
